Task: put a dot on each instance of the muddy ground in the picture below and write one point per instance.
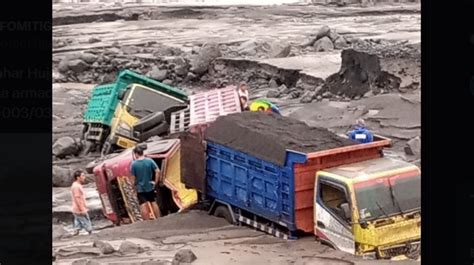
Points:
(270, 47)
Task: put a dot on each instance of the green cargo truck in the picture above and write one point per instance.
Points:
(101, 110)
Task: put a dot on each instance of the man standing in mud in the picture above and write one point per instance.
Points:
(143, 170)
(360, 133)
(243, 95)
(79, 208)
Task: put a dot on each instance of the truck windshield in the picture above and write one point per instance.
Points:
(144, 101)
(388, 196)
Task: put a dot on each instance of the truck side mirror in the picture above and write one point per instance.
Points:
(346, 210)
(121, 94)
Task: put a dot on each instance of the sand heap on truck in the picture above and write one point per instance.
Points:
(268, 136)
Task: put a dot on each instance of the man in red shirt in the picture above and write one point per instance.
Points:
(79, 208)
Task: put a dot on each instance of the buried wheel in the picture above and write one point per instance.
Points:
(107, 148)
(223, 211)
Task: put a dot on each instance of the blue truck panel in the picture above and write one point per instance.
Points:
(253, 184)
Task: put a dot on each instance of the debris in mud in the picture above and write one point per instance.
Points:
(85, 262)
(359, 73)
(104, 247)
(184, 256)
(128, 247)
(93, 40)
(78, 251)
(268, 136)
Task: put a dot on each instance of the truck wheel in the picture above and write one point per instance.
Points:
(223, 211)
(88, 147)
(149, 121)
(155, 131)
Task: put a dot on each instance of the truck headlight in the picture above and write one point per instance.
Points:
(124, 129)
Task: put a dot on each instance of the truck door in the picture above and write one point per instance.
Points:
(331, 224)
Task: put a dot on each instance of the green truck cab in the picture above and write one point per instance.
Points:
(130, 97)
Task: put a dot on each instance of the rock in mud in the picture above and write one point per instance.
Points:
(77, 65)
(104, 247)
(413, 147)
(273, 84)
(128, 247)
(168, 82)
(273, 93)
(323, 32)
(181, 66)
(324, 44)
(63, 66)
(89, 58)
(62, 177)
(283, 89)
(59, 232)
(333, 35)
(249, 47)
(280, 49)
(208, 53)
(190, 77)
(65, 146)
(184, 256)
(308, 97)
(340, 43)
(94, 40)
(158, 74)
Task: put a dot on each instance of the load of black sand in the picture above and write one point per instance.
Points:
(268, 136)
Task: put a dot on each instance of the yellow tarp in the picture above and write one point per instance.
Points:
(182, 197)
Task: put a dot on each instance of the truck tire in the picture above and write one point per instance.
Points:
(88, 147)
(223, 211)
(155, 131)
(149, 121)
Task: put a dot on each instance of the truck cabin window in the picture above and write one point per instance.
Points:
(333, 197)
(388, 196)
(145, 101)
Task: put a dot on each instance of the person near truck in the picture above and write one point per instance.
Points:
(143, 170)
(243, 92)
(79, 208)
(360, 133)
